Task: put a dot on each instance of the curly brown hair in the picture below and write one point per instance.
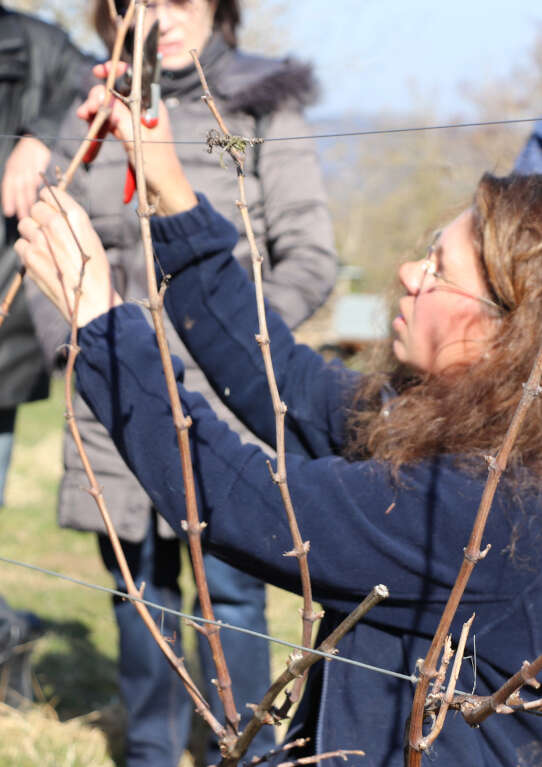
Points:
(467, 410)
(227, 20)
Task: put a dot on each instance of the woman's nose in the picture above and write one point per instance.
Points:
(163, 16)
(411, 275)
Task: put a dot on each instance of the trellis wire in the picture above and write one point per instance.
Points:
(196, 619)
(343, 134)
(413, 679)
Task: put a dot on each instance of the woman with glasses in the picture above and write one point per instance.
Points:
(386, 470)
(259, 96)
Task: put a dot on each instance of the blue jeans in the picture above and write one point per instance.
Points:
(159, 709)
(7, 427)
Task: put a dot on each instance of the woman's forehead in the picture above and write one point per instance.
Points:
(454, 244)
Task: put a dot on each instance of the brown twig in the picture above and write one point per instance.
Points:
(11, 293)
(112, 11)
(472, 555)
(202, 707)
(467, 703)
(297, 667)
(123, 24)
(533, 705)
(496, 703)
(301, 548)
(299, 743)
(341, 753)
(449, 695)
(441, 675)
(191, 525)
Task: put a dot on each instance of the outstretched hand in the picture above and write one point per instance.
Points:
(22, 179)
(167, 185)
(52, 257)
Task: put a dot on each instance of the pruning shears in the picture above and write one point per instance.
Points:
(150, 98)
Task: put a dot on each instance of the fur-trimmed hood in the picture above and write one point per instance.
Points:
(260, 85)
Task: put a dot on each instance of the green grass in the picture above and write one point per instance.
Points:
(37, 737)
(75, 661)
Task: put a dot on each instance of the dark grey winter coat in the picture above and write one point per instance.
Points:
(41, 73)
(258, 96)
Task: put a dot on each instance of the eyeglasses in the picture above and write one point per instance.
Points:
(171, 5)
(432, 277)
(153, 5)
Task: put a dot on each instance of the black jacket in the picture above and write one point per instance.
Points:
(41, 72)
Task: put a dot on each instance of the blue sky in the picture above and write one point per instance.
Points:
(369, 53)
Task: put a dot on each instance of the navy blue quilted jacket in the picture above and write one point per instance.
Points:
(364, 527)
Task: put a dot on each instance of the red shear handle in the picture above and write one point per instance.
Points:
(94, 148)
(95, 145)
(130, 182)
(149, 122)
(129, 185)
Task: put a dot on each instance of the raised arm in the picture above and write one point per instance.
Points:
(363, 526)
(212, 305)
(344, 509)
(203, 240)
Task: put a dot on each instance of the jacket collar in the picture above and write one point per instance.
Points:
(181, 82)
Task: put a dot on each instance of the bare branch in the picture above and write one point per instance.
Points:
(177, 664)
(441, 675)
(298, 666)
(112, 11)
(472, 555)
(533, 705)
(105, 110)
(299, 743)
(11, 293)
(449, 696)
(491, 705)
(181, 423)
(341, 753)
(301, 548)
